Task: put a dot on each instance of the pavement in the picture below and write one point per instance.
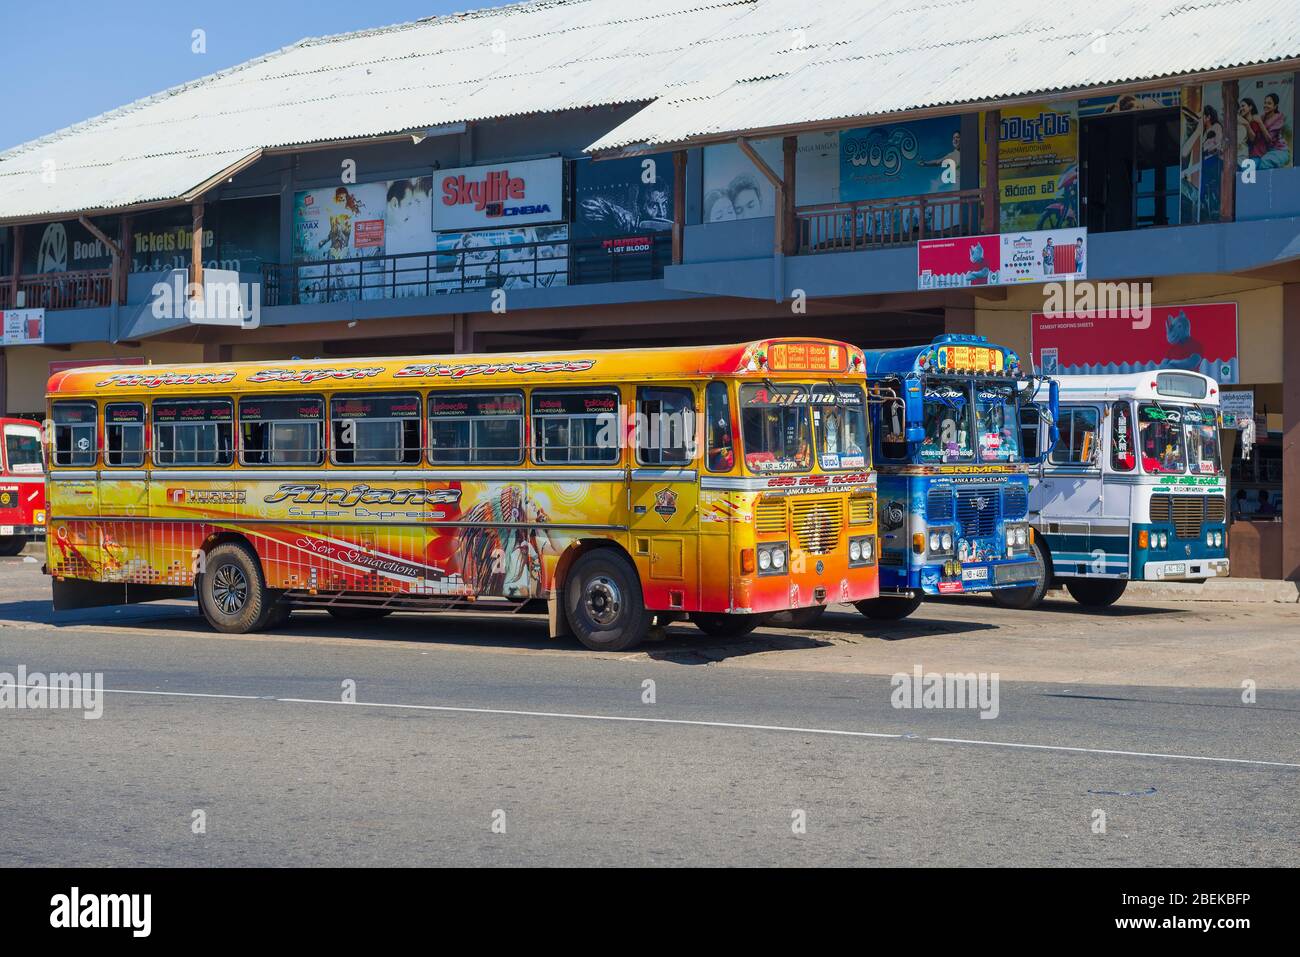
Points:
(476, 740)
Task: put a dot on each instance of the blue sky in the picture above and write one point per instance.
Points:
(69, 60)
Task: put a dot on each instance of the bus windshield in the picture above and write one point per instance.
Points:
(774, 427)
(947, 422)
(840, 420)
(1160, 436)
(997, 422)
(23, 449)
(1202, 441)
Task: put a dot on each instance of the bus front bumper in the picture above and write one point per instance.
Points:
(31, 531)
(1192, 569)
(954, 578)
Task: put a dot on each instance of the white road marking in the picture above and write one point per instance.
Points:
(577, 716)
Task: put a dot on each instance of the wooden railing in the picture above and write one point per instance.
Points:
(877, 223)
(58, 290)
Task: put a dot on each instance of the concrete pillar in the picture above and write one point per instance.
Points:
(959, 319)
(1291, 431)
(462, 334)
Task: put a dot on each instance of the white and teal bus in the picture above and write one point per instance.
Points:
(1134, 489)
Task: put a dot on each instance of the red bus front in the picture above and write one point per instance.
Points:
(22, 485)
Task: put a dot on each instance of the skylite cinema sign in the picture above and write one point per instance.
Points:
(500, 195)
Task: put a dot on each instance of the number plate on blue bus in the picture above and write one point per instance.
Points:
(974, 574)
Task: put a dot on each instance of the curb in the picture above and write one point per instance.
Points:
(1216, 589)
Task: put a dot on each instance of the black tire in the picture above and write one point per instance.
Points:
(805, 617)
(11, 545)
(356, 613)
(602, 597)
(889, 608)
(721, 625)
(1031, 596)
(232, 591)
(1096, 592)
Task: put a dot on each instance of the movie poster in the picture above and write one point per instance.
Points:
(1038, 166)
(735, 189)
(900, 159)
(1197, 338)
(1266, 120)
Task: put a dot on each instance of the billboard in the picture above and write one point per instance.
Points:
(1038, 166)
(1004, 259)
(735, 189)
(501, 195)
(527, 257)
(623, 197)
(339, 222)
(900, 159)
(23, 327)
(1196, 338)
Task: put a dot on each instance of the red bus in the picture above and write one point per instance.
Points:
(22, 485)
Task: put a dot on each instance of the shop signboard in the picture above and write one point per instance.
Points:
(501, 195)
(918, 158)
(1237, 408)
(23, 327)
(1038, 166)
(1038, 256)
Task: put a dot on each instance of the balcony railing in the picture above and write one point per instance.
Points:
(874, 224)
(538, 265)
(58, 290)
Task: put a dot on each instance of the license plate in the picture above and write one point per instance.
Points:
(6, 529)
(1179, 569)
(974, 574)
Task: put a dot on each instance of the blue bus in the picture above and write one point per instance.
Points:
(953, 477)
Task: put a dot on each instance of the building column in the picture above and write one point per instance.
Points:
(18, 232)
(217, 352)
(992, 189)
(462, 333)
(789, 161)
(679, 205)
(196, 248)
(959, 319)
(1291, 431)
(1228, 153)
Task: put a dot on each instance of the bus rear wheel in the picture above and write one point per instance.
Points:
(602, 597)
(1096, 592)
(889, 608)
(1031, 596)
(12, 545)
(719, 625)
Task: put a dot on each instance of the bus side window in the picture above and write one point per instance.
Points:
(1122, 457)
(721, 445)
(1078, 445)
(282, 431)
(124, 434)
(575, 427)
(193, 432)
(665, 426)
(476, 428)
(75, 428)
(1029, 430)
(893, 420)
(375, 429)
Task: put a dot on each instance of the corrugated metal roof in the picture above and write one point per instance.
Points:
(847, 59)
(707, 67)
(532, 57)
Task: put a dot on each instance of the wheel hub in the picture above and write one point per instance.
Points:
(230, 589)
(603, 599)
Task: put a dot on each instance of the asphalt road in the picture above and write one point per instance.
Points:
(464, 722)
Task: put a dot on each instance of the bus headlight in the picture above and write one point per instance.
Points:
(772, 558)
(1017, 538)
(862, 551)
(1209, 539)
(1218, 539)
(1163, 540)
(940, 541)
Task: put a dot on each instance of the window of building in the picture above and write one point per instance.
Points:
(721, 451)
(124, 434)
(665, 428)
(573, 427)
(376, 429)
(75, 438)
(1131, 169)
(1078, 442)
(194, 432)
(476, 428)
(282, 431)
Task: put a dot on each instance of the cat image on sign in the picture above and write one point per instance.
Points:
(1184, 349)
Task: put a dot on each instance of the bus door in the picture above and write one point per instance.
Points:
(74, 546)
(1071, 494)
(664, 495)
(123, 488)
(1112, 533)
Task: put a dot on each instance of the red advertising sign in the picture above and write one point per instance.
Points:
(368, 233)
(1200, 338)
(960, 261)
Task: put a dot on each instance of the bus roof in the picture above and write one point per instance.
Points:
(778, 358)
(1173, 385)
(949, 354)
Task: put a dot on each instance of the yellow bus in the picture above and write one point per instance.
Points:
(616, 490)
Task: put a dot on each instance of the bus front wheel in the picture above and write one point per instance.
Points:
(889, 608)
(1096, 592)
(232, 592)
(12, 545)
(1030, 596)
(602, 597)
